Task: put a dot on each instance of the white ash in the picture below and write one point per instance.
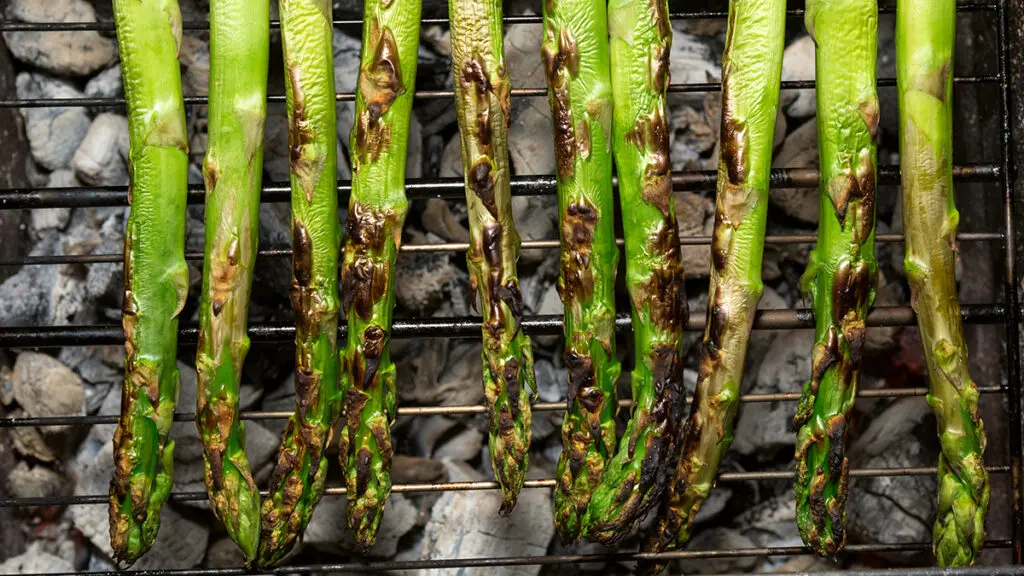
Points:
(101, 157)
(53, 133)
(65, 53)
(106, 84)
(35, 560)
(43, 386)
(799, 150)
(798, 64)
(467, 525)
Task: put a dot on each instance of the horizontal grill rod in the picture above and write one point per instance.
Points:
(446, 94)
(464, 327)
(450, 188)
(10, 26)
(727, 477)
(463, 246)
(408, 411)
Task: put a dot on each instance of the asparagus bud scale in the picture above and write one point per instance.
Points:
(634, 479)
(376, 212)
(482, 90)
(155, 274)
(232, 170)
(298, 478)
(575, 53)
(841, 274)
(925, 32)
(751, 69)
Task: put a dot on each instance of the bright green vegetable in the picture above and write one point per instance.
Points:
(376, 212)
(842, 273)
(925, 34)
(155, 275)
(233, 170)
(751, 70)
(298, 479)
(482, 90)
(575, 53)
(634, 479)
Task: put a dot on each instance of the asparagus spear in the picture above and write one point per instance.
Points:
(575, 53)
(842, 272)
(925, 32)
(232, 169)
(376, 211)
(155, 275)
(751, 69)
(636, 476)
(298, 479)
(482, 91)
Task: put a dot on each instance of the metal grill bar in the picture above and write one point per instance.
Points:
(455, 410)
(451, 188)
(91, 499)
(442, 94)
(10, 26)
(463, 246)
(466, 327)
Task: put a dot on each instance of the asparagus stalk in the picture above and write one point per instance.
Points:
(842, 272)
(232, 169)
(298, 479)
(751, 70)
(636, 476)
(575, 52)
(155, 275)
(376, 212)
(482, 90)
(925, 32)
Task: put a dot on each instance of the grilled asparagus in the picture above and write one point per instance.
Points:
(155, 275)
(232, 169)
(575, 53)
(751, 69)
(925, 32)
(482, 90)
(298, 479)
(376, 212)
(636, 476)
(841, 274)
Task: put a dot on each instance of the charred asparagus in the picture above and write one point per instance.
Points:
(482, 90)
(376, 212)
(298, 479)
(751, 69)
(232, 169)
(841, 273)
(575, 53)
(925, 32)
(155, 275)
(636, 476)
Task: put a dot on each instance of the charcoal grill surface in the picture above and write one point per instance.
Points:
(997, 175)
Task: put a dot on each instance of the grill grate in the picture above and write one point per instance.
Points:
(998, 172)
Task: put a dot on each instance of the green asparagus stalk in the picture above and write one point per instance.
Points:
(751, 71)
(842, 272)
(232, 169)
(298, 479)
(482, 91)
(376, 212)
(636, 476)
(155, 274)
(925, 33)
(575, 52)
